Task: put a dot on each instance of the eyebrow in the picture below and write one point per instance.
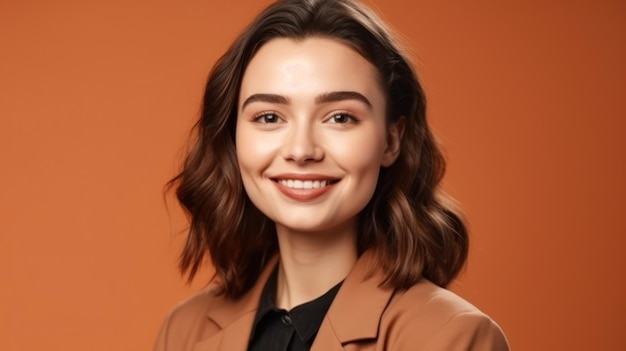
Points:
(342, 95)
(320, 99)
(271, 98)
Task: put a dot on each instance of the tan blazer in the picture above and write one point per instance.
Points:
(361, 317)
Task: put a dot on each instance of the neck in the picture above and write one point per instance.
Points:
(312, 263)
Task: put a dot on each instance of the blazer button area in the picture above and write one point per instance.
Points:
(286, 319)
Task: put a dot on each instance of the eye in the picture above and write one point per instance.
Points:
(267, 118)
(342, 118)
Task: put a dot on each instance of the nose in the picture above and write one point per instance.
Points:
(301, 145)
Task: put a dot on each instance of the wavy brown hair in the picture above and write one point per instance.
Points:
(409, 222)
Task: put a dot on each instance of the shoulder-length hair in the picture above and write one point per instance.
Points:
(409, 222)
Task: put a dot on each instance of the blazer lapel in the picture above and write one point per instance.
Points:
(354, 314)
(357, 309)
(234, 318)
(233, 337)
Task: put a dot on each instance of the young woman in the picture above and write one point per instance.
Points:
(313, 187)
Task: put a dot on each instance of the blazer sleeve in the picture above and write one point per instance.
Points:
(161, 341)
(185, 324)
(473, 331)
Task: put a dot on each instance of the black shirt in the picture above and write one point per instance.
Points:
(276, 329)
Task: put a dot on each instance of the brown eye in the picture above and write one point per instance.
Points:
(341, 118)
(267, 118)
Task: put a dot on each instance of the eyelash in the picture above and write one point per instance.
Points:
(261, 118)
(351, 118)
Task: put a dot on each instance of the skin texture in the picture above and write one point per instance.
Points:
(312, 109)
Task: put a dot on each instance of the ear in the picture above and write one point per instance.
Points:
(394, 139)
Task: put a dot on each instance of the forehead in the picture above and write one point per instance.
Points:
(311, 65)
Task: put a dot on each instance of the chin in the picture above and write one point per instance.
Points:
(298, 224)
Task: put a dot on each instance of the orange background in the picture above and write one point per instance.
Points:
(96, 101)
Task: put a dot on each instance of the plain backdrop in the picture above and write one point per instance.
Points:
(97, 99)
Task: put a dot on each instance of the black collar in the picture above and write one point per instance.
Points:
(306, 318)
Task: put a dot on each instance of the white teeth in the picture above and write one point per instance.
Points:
(303, 184)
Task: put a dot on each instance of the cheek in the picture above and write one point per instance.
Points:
(254, 150)
(360, 153)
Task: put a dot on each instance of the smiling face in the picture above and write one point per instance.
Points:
(311, 133)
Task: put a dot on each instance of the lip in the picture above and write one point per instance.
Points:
(304, 195)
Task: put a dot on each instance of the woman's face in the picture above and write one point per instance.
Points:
(311, 133)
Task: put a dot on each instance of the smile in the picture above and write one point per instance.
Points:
(304, 188)
(303, 184)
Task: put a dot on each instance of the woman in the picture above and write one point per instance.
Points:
(313, 187)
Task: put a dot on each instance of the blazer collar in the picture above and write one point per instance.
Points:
(230, 310)
(354, 314)
(358, 307)
(235, 317)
